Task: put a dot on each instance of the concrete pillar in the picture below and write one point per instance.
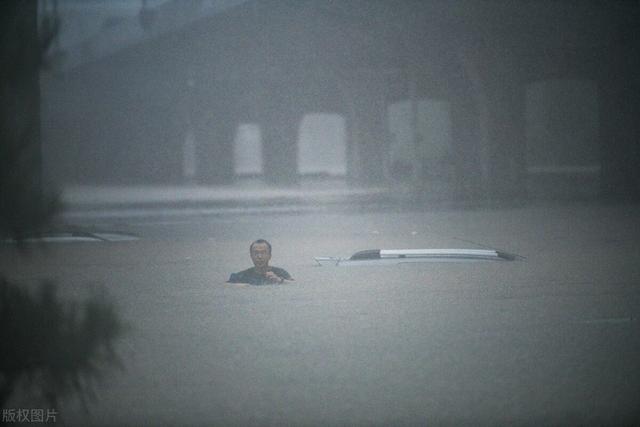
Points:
(506, 126)
(468, 180)
(279, 122)
(214, 129)
(619, 100)
(367, 124)
(488, 122)
(468, 125)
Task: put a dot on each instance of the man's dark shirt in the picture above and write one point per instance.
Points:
(251, 276)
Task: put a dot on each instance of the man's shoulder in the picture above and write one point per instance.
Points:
(250, 270)
(243, 276)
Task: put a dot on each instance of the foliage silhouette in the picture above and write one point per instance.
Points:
(53, 347)
(24, 207)
(47, 346)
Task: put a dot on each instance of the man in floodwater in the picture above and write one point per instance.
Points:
(262, 273)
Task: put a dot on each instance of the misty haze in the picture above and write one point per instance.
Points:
(480, 159)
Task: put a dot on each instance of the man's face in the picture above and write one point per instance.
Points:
(260, 254)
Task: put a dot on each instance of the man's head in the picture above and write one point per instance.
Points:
(260, 252)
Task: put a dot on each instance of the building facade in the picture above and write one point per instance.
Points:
(461, 99)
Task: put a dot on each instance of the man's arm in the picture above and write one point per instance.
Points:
(279, 275)
(273, 277)
(234, 278)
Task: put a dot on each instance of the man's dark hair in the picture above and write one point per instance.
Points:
(260, 241)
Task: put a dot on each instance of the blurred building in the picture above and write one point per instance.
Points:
(458, 99)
